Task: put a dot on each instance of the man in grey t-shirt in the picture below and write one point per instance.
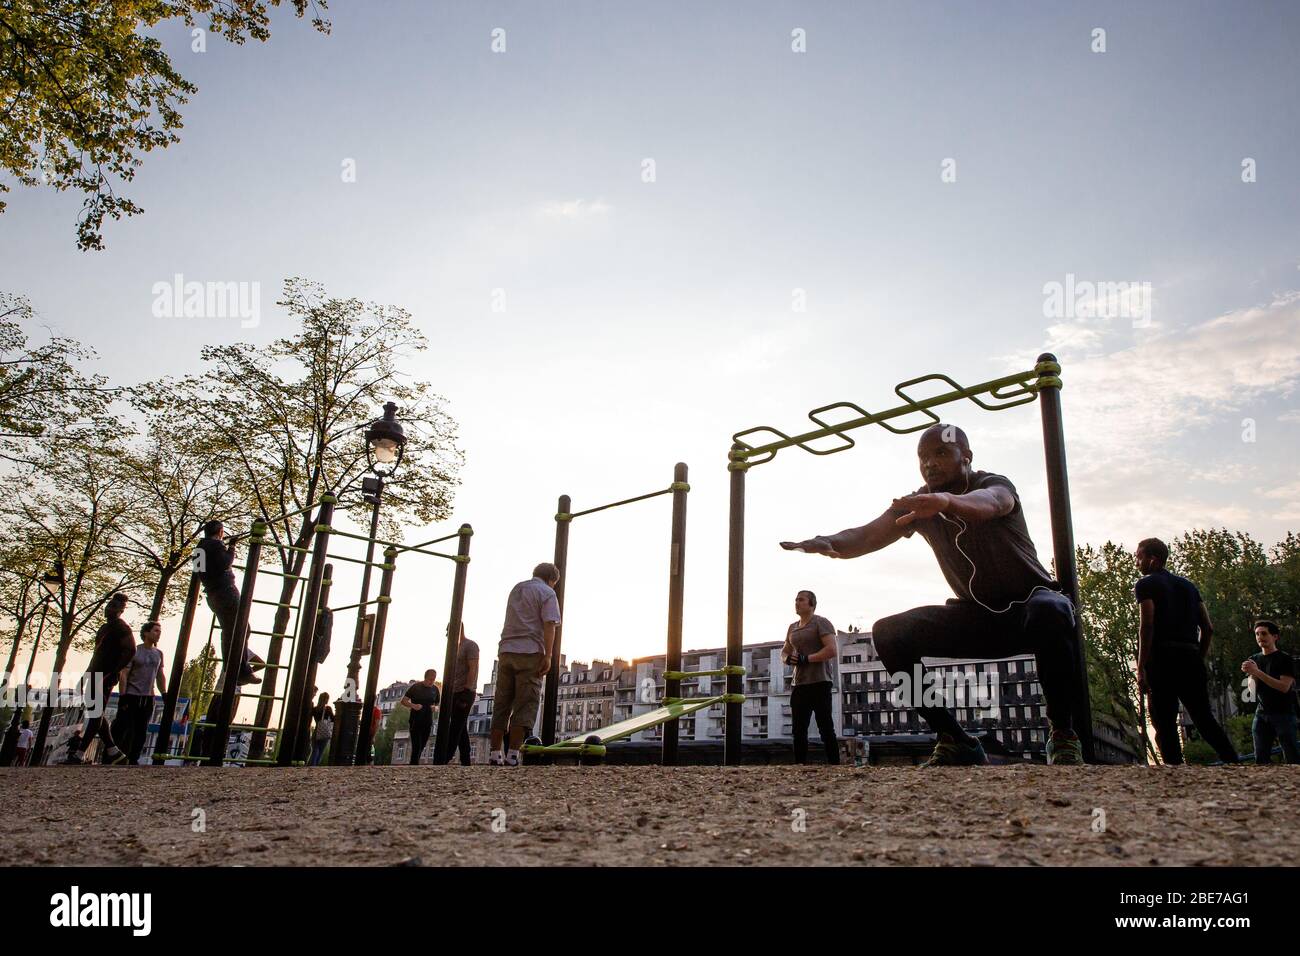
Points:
(135, 696)
(811, 647)
(1006, 601)
(523, 658)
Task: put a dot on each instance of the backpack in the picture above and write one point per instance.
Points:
(324, 729)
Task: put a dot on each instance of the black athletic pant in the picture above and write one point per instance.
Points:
(419, 738)
(98, 725)
(462, 702)
(1178, 674)
(225, 605)
(1042, 626)
(131, 724)
(805, 701)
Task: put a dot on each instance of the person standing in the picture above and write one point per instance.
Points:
(222, 594)
(421, 699)
(1273, 673)
(811, 647)
(135, 700)
(523, 659)
(25, 737)
(462, 698)
(1006, 602)
(114, 649)
(323, 715)
(1173, 640)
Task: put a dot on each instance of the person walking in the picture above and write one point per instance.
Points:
(811, 647)
(222, 594)
(135, 700)
(323, 715)
(1273, 673)
(114, 649)
(421, 699)
(25, 737)
(1173, 641)
(462, 698)
(523, 659)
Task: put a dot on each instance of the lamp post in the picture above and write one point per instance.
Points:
(385, 442)
(55, 584)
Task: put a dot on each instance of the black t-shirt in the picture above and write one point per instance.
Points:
(216, 575)
(1177, 605)
(114, 647)
(420, 693)
(1277, 665)
(1006, 565)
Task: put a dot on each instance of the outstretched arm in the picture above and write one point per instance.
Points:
(852, 542)
(982, 504)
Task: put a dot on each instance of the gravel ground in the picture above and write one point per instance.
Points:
(611, 816)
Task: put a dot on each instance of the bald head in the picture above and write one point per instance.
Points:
(944, 455)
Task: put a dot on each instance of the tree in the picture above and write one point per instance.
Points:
(398, 719)
(70, 509)
(177, 481)
(85, 90)
(21, 594)
(42, 392)
(292, 412)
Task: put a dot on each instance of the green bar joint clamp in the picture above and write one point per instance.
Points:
(733, 698)
(734, 669)
(387, 566)
(460, 558)
(735, 465)
(329, 499)
(383, 599)
(680, 486)
(563, 516)
(466, 531)
(323, 529)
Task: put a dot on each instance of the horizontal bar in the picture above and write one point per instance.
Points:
(347, 607)
(614, 504)
(383, 566)
(273, 603)
(721, 672)
(278, 574)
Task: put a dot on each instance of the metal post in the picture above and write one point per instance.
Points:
(354, 662)
(231, 665)
(551, 699)
(292, 714)
(302, 749)
(735, 602)
(1058, 497)
(442, 743)
(676, 599)
(10, 748)
(366, 732)
(164, 742)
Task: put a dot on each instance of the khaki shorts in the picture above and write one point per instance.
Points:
(518, 691)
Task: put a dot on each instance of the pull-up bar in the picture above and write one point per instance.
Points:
(1042, 382)
(676, 579)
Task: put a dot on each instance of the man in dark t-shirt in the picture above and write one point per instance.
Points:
(1006, 601)
(421, 699)
(114, 648)
(1173, 640)
(213, 564)
(1273, 673)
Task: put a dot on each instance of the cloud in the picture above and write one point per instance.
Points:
(1290, 417)
(574, 209)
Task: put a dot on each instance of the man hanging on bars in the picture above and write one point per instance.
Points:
(222, 593)
(1006, 601)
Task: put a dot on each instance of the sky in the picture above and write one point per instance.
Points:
(844, 197)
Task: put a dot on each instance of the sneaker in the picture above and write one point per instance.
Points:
(1235, 762)
(512, 759)
(115, 758)
(248, 677)
(949, 753)
(496, 759)
(1063, 749)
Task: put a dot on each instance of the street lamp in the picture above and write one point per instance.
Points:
(52, 581)
(385, 442)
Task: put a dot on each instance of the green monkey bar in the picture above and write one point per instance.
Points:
(1041, 383)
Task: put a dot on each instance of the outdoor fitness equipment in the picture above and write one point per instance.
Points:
(289, 730)
(674, 706)
(1042, 382)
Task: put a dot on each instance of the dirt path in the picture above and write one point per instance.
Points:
(650, 815)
